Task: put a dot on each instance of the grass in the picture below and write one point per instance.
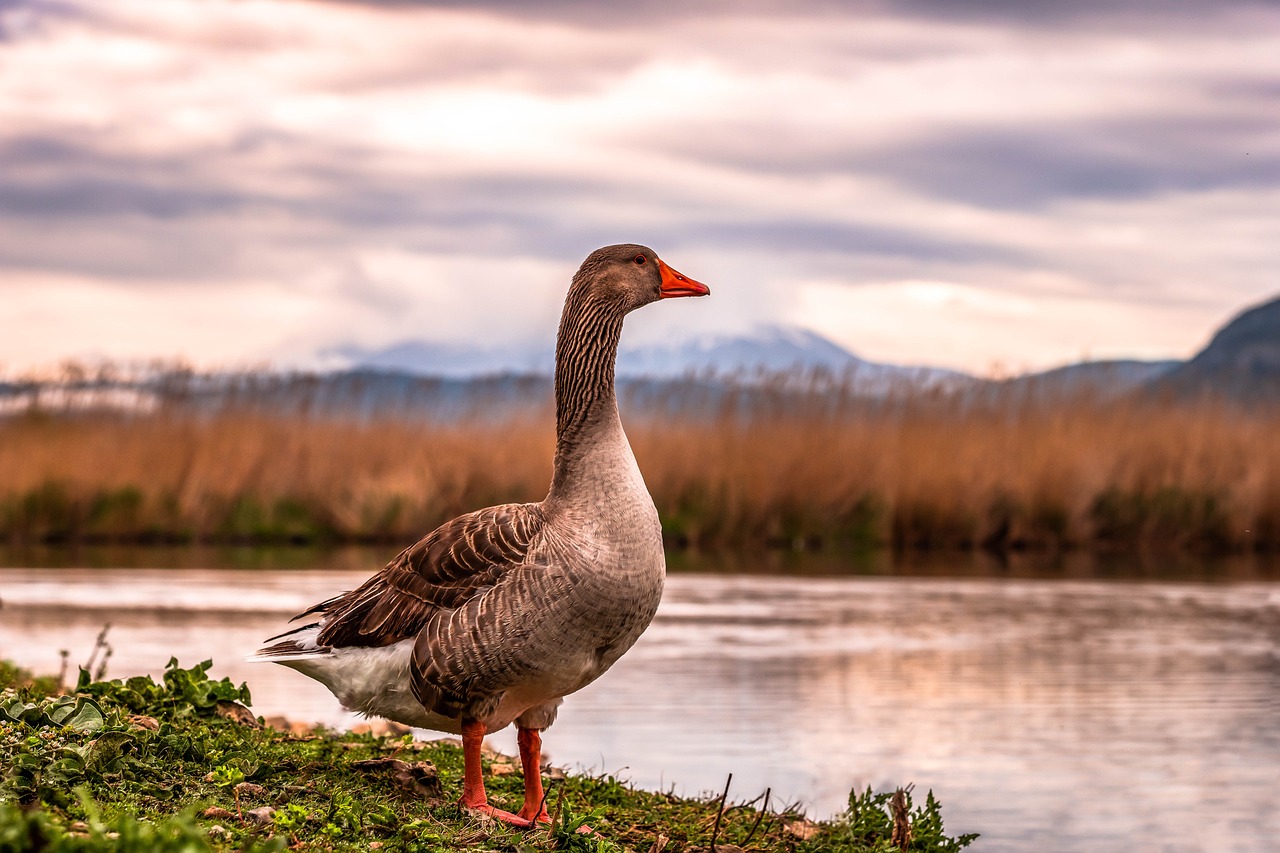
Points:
(796, 464)
(136, 766)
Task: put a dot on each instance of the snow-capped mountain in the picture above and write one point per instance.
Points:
(451, 361)
(772, 349)
(763, 350)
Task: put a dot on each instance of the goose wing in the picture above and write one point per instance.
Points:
(453, 564)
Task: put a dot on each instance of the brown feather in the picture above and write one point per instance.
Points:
(456, 562)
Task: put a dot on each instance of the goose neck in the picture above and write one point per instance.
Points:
(586, 402)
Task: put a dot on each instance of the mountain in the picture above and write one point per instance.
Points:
(1241, 362)
(763, 350)
(452, 361)
(770, 349)
(422, 379)
(1099, 379)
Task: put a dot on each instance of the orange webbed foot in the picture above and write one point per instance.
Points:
(483, 808)
(540, 817)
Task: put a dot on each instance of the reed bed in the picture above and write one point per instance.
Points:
(792, 463)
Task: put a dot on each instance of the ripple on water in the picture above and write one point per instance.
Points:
(1072, 715)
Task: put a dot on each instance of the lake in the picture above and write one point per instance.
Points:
(1069, 705)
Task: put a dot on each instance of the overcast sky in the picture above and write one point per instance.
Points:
(963, 184)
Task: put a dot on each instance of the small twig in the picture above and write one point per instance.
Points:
(795, 807)
(546, 792)
(555, 818)
(759, 817)
(901, 835)
(102, 665)
(98, 645)
(751, 803)
(62, 672)
(724, 798)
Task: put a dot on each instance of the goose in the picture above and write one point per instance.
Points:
(494, 617)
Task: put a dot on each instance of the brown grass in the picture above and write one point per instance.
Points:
(811, 467)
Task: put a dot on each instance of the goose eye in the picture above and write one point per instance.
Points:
(639, 259)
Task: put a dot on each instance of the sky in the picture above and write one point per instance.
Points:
(989, 186)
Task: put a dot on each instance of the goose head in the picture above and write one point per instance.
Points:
(629, 276)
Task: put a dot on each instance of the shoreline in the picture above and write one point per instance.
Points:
(185, 765)
(1079, 563)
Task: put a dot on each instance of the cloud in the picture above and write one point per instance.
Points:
(1026, 168)
(355, 161)
(636, 15)
(987, 333)
(1155, 14)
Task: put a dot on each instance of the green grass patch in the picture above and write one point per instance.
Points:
(181, 765)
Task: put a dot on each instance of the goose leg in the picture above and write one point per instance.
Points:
(534, 809)
(473, 795)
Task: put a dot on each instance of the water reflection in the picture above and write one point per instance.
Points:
(1177, 566)
(1056, 714)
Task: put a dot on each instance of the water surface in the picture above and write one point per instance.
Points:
(1059, 709)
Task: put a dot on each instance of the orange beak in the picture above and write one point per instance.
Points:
(677, 284)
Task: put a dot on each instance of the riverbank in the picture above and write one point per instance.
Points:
(183, 765)
(822, 468)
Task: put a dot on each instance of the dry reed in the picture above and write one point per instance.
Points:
(783, 464)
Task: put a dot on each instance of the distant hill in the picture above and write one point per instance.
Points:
(765, 349)
(773, 349)
(1241, 362)
(441, 381)
(451, 361)
(1099, 379)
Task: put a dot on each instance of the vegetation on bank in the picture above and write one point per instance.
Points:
(794, 465)
(183, 767)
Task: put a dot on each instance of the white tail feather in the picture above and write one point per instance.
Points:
(295, 646)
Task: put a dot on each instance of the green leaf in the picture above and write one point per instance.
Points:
(103, 750)
(20, 712)
(64, 771)
(81, 714)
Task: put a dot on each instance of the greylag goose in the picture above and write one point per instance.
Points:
(497, 615)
